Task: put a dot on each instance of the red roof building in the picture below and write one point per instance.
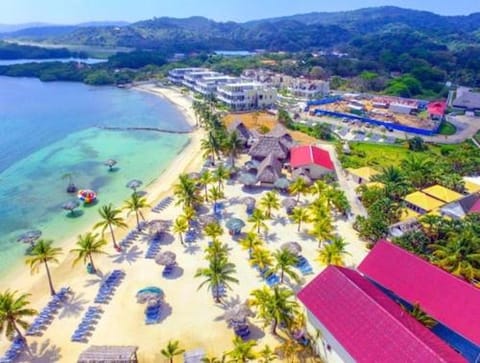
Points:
(437, 108)
(360, 323)
(475, 207)
(451, 301)
(314, 161)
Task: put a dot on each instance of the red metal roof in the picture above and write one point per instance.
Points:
(367, 323)
(450, 300)
(475, 207)
(308, 155)
(437, 108)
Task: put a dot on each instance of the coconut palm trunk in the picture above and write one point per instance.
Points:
(91, 263)
(113, 237)
(138, 220)
(274, 327)
(49, 277)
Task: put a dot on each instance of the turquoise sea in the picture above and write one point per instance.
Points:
(49, 129)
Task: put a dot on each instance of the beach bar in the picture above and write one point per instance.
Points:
(109, 354)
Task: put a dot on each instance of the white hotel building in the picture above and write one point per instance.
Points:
(236, 93)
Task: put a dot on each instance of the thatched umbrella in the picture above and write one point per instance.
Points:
(207, 219)
(194, 175)
(148, 293)
(289, 204)
(134, 184)
(282, 183)
(247, 179)
(166, 258)
(30, 236)
(71, 206)
(110, 163)
(292, 247)
(249, 201)
(238, 314)
(235, 225)
(158, 226)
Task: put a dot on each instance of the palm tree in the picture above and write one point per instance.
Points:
(216, 249)
(298, 187)
(213, 230)
(338, 200)
(215, 194)
(284, 260)
(300, 215)
(460, 255)
(267, 355)
(319, 188)
(396, 183)
(274, 306)
(43, 253)
(111, 219)
(218, 274)
(185, 191)
(88, 245)
(215, 359)
(418, 168)
(180, 226)
(251, 241)
(258, 221)
(220, 175)
(13, 309)
(242, 350)
(322, 230)
(205, 179)
(420, 315)
(210, 146)
(232, 146)
(333, 253)
(262, 258)
(171, 350)
(135, 204)
(270, 201)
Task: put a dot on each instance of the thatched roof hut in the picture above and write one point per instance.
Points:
(109, 354)
(243, 133)
(269, 170)
(281, 133)
(267, 145)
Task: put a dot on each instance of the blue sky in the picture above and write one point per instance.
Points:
(74, 11)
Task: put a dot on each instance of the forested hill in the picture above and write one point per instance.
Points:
(293, 33)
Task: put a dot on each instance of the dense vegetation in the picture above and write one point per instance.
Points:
(16, 51)
(387, 49)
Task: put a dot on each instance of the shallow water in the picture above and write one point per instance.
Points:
(48, 130)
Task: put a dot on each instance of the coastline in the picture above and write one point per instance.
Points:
(187, 159)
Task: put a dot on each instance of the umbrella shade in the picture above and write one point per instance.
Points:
(148, 293)
(207, 219)
(110, 162)
(289, 203)
(235, 224)
(292, 247)
(238, 313)
(134, 184)
(282, 183)
(247, 179)
(166, 258)
(29, 236)
(71, 205)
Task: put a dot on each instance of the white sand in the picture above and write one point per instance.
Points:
(189, 315)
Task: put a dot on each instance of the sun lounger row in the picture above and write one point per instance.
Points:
(190, 236)
(152, 314)
(107, 288)
(129, 238)
(164, 203)
(48, 313)
(243, 331)
(304, 266)
(153, 247)
(167, 270)
(84, 329)
(14, 351)
(270, 278)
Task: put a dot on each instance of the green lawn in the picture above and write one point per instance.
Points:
(446, 128)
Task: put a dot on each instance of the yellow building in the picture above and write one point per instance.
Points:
(422, 203)
(441, 193)
(363, 175)
(471, 187)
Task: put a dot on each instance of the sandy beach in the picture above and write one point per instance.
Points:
(188, 315)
